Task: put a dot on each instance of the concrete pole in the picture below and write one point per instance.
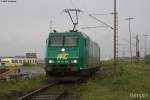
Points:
(145, 35)
(115, 39)
(130, 36)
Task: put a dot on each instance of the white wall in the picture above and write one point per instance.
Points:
(18, 61)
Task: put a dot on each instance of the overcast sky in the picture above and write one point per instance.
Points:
(24, 24)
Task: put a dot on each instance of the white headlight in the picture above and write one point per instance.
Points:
(50, 61)
(74, 61)
(63, 49)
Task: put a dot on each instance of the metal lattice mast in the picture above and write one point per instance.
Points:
(51, 26)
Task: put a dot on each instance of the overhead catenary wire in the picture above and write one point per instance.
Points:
(100, 21)
(92, 27)
(115, 30)
(127, 41)
(72, 3)
(91, 16)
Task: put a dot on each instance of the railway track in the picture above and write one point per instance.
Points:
(45, 93)
(40, 95)
(51, 96)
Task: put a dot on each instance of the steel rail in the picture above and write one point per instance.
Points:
(29, 95)
(51, 96)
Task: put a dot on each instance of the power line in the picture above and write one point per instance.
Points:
(93, 27)
(72, 3)
(127, 41)
(99, 14)
(115, 28)
(100, 21)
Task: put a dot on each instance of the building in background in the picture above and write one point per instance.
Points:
(31, 55)
(40, 61)
(30, 58)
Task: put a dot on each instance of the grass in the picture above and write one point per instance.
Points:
(132, 83)
(11, 89)
(28, 65)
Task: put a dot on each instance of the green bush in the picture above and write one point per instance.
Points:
(28, 65)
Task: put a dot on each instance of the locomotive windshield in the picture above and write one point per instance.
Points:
(56, 41)
(70, 41)
(59, 41)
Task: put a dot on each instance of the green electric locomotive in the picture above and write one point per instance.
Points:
(71, 54)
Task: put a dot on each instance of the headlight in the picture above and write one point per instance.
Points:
(50, 61)
(63, 49)
(74, 61)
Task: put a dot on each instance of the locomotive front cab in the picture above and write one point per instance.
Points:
(62, 56)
